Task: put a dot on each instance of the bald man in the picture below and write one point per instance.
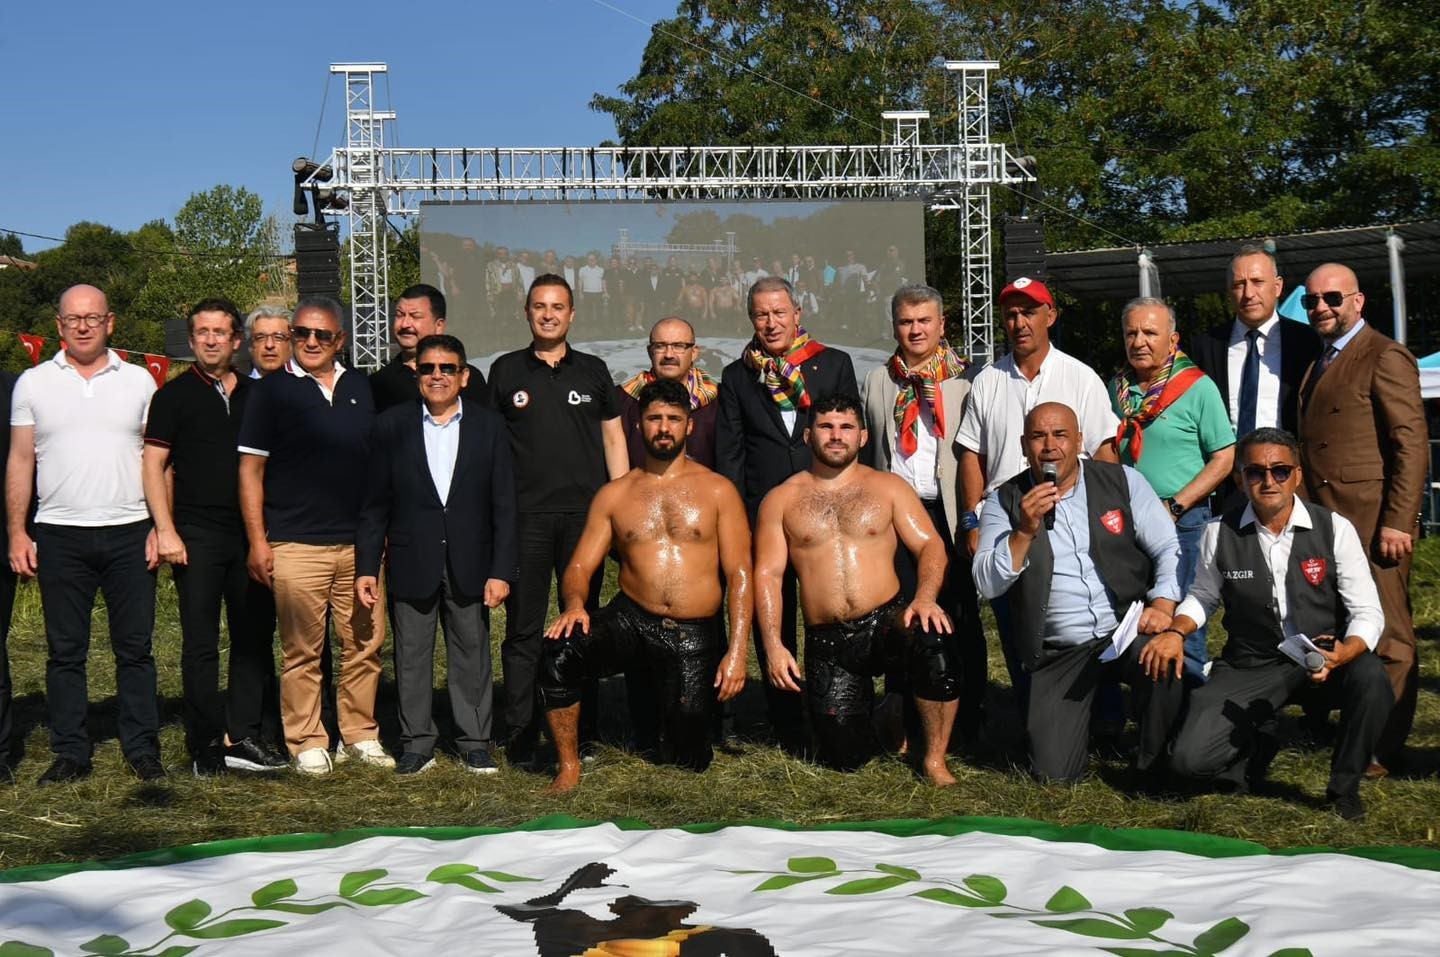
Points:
(1364, 447)
(1072, 545)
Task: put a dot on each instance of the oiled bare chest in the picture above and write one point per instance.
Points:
(674, 516)
(849, 513)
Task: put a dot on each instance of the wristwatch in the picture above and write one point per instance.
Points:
(969, 521)
(1176, 509)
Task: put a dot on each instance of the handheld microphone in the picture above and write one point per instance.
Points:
(1049, 473)
(1314, 661)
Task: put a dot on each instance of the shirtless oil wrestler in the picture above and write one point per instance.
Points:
(676, 526)
(838, 524)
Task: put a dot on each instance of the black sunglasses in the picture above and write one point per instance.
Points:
(446, 369)
(1255, 474)
(1333, 299)
(303, 334)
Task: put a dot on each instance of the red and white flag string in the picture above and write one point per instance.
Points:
(158, 366)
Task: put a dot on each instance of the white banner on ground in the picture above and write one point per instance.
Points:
(602, 891)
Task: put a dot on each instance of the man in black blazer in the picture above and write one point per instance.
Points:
(1284, 349)
(442, 491)
(760, 436)
(7, 601)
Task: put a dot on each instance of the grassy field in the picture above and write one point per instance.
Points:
(111, 813)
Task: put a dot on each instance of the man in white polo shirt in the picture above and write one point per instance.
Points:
(75, 437)
(1001, 396)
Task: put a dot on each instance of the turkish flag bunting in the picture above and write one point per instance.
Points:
(158, 366)
(124, 356)
(33, 345)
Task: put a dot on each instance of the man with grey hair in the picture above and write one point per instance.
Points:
(304, 440)
(760, 436)
(1174, 430)
(912, 412)
(1256, 360)
(267, 334)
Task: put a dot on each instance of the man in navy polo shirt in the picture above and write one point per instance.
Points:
(304, 448)
(565, 432)
(193, 427)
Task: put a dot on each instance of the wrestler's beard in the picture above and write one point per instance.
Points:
(665, 454)
(836, 458)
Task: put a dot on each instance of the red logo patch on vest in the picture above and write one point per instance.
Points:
(1114, 521)
(1314, 570)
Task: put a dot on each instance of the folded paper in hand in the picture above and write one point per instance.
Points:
(1124, 632)
(1295, 647)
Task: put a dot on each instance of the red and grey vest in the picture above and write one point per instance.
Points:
(1312, 597)
(1125, 569)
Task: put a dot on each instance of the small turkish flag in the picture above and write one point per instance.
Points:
(1114, 521)
(124, 356)
(1314, 570)
(158, 366)
(33, 345)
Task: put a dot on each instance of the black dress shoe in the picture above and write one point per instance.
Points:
(63, 770)
(209, 763)
(147, 767)
(412, 763)
(1349, 806)
(248, 754)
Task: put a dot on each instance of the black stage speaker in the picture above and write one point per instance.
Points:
(1024, 248)
(317, 260)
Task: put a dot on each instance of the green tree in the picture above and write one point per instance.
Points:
(10, 245)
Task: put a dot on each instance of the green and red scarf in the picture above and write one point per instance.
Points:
(922, 385)
(701, 387)
(1177, 375)
(783, 376)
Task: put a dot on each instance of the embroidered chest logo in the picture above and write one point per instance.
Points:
(1114, 521)
(1314, 570)
(520, 399)
(576, 398)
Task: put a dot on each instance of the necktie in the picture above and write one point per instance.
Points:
(1330, 353)
(1249, 385)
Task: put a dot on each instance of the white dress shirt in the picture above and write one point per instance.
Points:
(1267, 398)
(919, 470)
(442, 445)
(1352, 574)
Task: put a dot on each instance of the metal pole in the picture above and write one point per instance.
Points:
(1395, 244)
(1144, 264)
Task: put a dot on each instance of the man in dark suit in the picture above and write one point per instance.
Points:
(760, 438)
(1257, 359)
(7, 602)
(442, 490)
(1364, 447)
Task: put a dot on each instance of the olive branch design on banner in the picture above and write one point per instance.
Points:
(196, 919)
(1067, 909)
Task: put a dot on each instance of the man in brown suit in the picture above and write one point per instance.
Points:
(1364, 444)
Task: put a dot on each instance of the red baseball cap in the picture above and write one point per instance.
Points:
(1032, 289)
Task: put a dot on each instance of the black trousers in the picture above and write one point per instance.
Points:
(7, 718)
(1236, 706)
(547, 540)
(960, 601)
(74, 563)
(214, 573)
(1062, 690)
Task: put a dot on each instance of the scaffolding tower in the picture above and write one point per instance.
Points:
(382, 181)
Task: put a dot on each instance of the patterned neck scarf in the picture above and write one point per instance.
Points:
(783, 377)
(1177, 375)
(702, 388)
(922, 384)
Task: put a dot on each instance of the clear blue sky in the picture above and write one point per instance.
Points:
(117, 112)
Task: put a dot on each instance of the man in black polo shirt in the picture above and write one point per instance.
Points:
(419, 312)
(565, 432)
(193, 426)
(304, 447)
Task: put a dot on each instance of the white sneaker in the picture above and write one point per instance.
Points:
(313, 761)
(368, 751)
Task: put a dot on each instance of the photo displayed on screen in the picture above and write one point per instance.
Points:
(632, 263)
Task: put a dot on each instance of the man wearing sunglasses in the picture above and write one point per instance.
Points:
(1365, 449)
(304, 450)
(442, 492)
(1281, 567)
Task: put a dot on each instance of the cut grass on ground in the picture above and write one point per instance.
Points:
(111, 813)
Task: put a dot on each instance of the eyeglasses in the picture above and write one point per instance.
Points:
(1333, 299)
(260, 338)
(671, 346)
(1255, 474)
(89, 322)
(303, 334)
(211, 335)
(447, 369)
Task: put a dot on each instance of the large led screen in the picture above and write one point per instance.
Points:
(632, 263)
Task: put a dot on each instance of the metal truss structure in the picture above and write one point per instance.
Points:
(382, 181)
